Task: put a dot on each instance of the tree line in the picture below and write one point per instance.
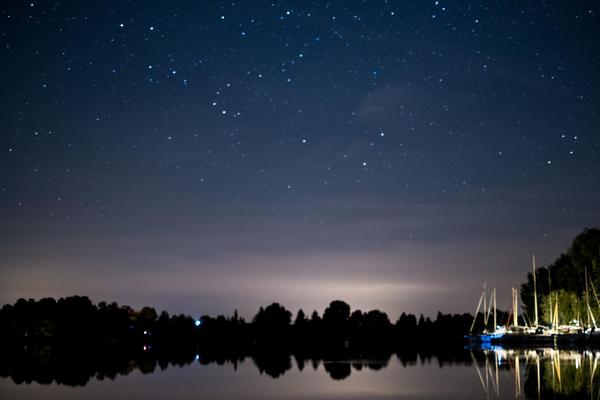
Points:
(77, 319)
(43, 340)
(72, 340)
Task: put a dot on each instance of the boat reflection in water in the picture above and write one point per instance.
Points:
(537, 373)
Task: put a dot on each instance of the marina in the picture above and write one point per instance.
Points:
(519, 331)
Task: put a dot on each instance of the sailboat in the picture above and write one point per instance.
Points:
(536, 328)
(534, 333)
(592, 333)
(486, 336)
(537, 334)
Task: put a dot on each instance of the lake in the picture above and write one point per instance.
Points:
(474, 374)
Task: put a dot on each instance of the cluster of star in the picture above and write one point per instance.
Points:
(400, 98)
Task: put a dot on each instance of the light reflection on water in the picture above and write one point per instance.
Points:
(493, 373)
(539, 373)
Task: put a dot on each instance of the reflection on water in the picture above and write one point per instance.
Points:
(539, 374)
(76, 367)
(493, 373)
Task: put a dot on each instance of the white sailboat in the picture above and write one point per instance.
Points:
(486, 336)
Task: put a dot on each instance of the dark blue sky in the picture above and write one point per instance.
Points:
(206, 156)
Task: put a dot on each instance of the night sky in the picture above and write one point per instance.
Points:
(207, 156)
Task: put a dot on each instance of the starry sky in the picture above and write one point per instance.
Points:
(207, 156)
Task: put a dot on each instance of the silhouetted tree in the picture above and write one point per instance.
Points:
(272, 325)
(338, 370)
(274, 316)
(336, 314)
(335, 323)
(300, 319)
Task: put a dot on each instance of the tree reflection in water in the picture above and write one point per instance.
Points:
(76, 367)
(531, 374)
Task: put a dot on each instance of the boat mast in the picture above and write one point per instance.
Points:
(550, 297)
(578, 312)
(534, 291)
(494, 292)
(515, 311)
(594, 291)
(485, 310)
(587, 298)
(476, 312)
(489, 309)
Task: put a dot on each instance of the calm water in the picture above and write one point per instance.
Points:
(481, 374)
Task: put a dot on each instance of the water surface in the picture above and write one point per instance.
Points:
(476, 374)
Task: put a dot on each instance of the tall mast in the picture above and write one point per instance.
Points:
(476, 312)
(515, 312)
(550, 297)
(485, 310)
(578, 313)
(594, 291)
(534, 291)
(495, 309)
(587, 298)
(590, 313)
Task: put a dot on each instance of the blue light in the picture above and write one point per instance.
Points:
(198, 322)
